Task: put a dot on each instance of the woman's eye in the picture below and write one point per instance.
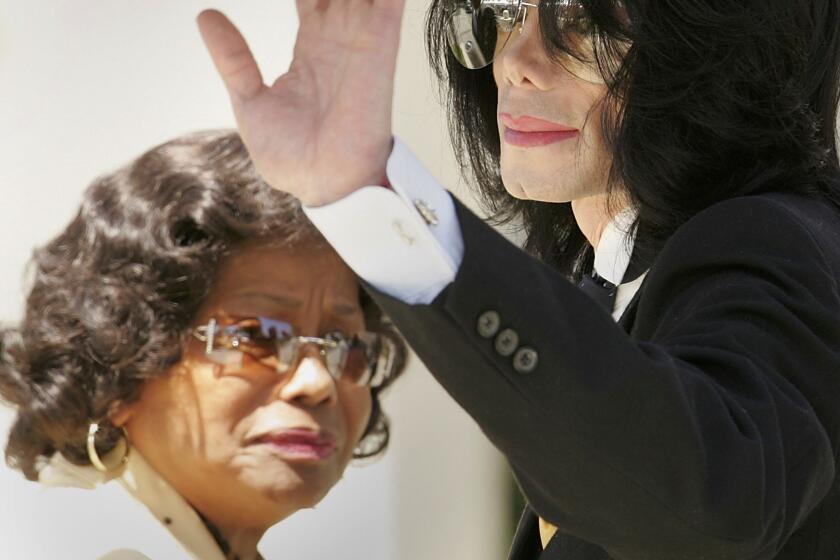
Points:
(245, 326)
(335, 334)
(259, 348)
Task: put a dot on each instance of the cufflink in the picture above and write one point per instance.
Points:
(488, 324)
(400, 228)
(525, 360)
(426, 212)
(506, 342)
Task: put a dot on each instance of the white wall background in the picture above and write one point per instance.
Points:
(85, 86)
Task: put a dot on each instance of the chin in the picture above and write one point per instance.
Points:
(288, 497)
(305, 484)
(515, 190)
(540, 193)
(558, 185)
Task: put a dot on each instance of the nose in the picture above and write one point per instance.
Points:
(309, 382)
(523, 61)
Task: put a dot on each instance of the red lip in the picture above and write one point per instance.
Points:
(301, 444)
(529, 132)
(527, 123)
(533, 139)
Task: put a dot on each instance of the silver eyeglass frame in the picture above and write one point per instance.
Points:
(463, 28)
(221, 345)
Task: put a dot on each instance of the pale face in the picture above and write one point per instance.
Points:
(211, 430)
(561, 156)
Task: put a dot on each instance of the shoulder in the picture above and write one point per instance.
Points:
(105, 523)
(806, 229)
(810, 214)
(779, 249)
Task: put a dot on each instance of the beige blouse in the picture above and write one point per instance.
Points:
(135, 514)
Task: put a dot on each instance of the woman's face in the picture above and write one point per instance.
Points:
(549, 120)
(228, 437)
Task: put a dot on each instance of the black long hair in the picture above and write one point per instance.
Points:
(713, 99)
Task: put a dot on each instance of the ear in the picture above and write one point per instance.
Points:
(120, 413)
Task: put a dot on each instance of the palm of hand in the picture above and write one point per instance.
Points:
(323, 129)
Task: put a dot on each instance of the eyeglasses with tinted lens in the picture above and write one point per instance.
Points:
(479, 29)
(365, 359)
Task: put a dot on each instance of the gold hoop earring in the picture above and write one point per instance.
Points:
(122, 446)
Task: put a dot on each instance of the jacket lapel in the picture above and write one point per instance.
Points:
(527, 546)
(628, 317)
(526, 541)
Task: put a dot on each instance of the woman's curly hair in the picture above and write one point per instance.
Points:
(115, 293)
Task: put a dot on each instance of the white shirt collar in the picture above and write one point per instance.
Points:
(612, 255)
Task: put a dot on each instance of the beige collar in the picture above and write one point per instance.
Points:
(144, 484)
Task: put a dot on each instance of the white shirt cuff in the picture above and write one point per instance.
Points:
(405, 242)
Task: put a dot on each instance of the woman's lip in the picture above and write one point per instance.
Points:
(527, 123)
(300, 451)
(534, 139)
(298, 444)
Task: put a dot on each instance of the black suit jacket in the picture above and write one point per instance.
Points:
(704, 425)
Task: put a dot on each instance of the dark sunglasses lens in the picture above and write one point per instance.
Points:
(472, 35)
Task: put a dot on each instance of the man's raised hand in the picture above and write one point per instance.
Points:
(322, 129)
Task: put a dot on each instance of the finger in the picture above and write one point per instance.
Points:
(230, 54)
(314, 12)
(306, 7)
(392, 7)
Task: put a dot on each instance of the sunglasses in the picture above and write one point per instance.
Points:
(365, 359)
(478, 30)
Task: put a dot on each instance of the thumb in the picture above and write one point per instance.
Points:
(231, 55)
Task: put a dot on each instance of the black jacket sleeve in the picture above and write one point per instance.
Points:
(690, 438)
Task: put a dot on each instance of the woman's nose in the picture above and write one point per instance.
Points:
(309, 382)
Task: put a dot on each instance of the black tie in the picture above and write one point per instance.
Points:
(602, 291)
